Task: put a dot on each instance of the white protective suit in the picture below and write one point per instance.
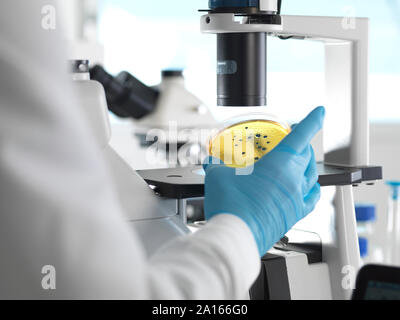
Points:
(57, 201)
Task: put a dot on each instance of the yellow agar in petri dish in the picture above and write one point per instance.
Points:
(245, 143)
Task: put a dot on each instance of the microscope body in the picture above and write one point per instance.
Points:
(176, 129)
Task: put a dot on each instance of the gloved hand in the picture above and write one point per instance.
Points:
(281, 190)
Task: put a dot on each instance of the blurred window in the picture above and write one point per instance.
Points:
(144, 37)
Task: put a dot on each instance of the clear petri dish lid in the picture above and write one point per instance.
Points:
(241, 141)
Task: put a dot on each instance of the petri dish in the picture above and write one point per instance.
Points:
(244, 141)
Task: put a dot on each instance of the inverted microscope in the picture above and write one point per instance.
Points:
(315, 260)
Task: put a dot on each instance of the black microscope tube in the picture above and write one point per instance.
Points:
(242, 69)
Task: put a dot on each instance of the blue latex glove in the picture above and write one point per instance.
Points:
(281, 190)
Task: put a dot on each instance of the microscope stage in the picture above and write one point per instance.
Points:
(188, 182)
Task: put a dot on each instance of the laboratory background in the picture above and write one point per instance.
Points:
(166, 70)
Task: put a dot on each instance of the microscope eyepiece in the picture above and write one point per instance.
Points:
(127, 97)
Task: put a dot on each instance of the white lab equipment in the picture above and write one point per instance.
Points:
(177, 109)
(166, 119)
(393, 224)
(366, 217)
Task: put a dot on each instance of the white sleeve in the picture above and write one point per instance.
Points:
(57, 201)
(220, 261)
